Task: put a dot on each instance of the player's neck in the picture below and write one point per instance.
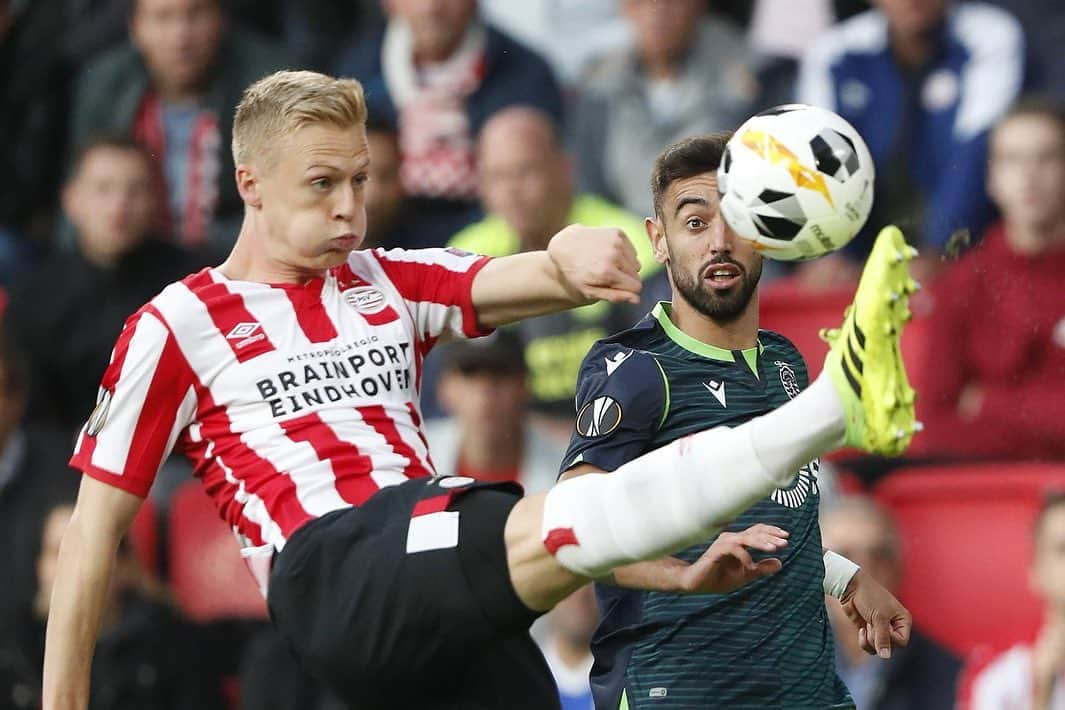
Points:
(248, 261)
(739, 334)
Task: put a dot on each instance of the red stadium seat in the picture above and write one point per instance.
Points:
(794, 311)
(208, 576)
(966, 534)
(799, 314)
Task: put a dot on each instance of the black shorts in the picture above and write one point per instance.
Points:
(430, 628)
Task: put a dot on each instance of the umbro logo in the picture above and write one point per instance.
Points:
(717, 389)
(613, 363)
(245, 334)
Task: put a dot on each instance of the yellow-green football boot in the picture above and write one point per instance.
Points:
(864, 359)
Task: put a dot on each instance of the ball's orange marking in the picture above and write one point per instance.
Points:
(776, 153)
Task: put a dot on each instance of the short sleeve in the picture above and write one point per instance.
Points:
(621, 399)
(437, 286)
(147, 397)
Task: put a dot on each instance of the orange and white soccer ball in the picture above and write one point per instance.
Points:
(797, 181)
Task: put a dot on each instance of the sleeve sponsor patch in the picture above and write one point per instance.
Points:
(599, 417)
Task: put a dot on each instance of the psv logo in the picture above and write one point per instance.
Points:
(365, 299)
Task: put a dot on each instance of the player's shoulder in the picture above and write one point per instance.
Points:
(397, 261)
(170, 306)
(777, 341)
(637, 341)
(780, 349)
(622, 363)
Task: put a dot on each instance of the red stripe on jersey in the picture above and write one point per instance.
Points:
(310, 311)
(350, 466)
(346, 278)
(114, 370)
(259, 475)
(386, 315)
(438, 284)
(224, 495)
(421, 435)
(241, 330)
(558, 538)
(376, 417)
(171, 381)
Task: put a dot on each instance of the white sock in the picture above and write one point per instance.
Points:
(685, 491)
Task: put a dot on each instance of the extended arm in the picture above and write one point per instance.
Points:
(580, 265)
(86, 557)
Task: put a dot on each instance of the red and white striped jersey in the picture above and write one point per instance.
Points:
(291, 400)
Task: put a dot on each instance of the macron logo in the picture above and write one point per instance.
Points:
(717, 389)
(245, 334)
(613, 363)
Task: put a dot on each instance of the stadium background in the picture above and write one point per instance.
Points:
(618, 80)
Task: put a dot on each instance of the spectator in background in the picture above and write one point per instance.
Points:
(686, 74)
(526, 186)
(65, 315)
(999, 313)
(483, 388)
(569, 33)
(317, 31)
(146, 658)
(33, 471)
(174, 88)
(32, 97)
(922, 81)
(566, 644)
(387, 214)
(438, 73)
(1033, 677)
(1044, 26)
(920, 676)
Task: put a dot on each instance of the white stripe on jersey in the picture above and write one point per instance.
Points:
(114, 441)
(186, 413)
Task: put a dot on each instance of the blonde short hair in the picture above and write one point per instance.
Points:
(288, 100)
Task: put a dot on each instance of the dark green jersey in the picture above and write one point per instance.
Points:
(766, 645)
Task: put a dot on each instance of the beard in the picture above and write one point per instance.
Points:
(720, 306)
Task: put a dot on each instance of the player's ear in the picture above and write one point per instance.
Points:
(657, 235)
(248, 186)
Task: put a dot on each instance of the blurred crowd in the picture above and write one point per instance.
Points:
(492, 125)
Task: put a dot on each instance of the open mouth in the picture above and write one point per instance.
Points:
(722, 276)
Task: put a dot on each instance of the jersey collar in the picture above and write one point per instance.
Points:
(661, 314)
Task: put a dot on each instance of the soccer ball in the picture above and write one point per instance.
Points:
(797, 181)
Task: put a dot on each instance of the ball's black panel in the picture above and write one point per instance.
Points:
(834, 154)
(776, 227)
(768, 196)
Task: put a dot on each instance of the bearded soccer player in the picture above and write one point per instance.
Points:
(289, 375)
(701, 362)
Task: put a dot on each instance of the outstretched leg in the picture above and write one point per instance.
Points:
(683, 492)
